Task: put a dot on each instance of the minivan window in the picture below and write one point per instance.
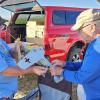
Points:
(64, 17)
(22, 19)
(59, 17)
(71, 17)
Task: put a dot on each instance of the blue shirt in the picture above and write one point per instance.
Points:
(87, 72)
(8, 85)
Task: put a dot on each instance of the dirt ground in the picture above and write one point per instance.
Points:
(26, 83)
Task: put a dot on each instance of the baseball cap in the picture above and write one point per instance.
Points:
(85, 17)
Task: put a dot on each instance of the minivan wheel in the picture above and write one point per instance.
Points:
(75, 54)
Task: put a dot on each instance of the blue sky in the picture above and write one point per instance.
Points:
(69, 3)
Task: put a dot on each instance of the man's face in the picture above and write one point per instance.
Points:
(86, 33)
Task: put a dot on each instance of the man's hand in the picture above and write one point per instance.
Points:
(56, 70)
(57, 67)
(58, 63)
(38, 70)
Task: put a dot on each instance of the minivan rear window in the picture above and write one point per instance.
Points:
(71, 17)
(64, 17)
(59, 17)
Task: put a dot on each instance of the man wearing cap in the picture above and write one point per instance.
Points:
(86, 72)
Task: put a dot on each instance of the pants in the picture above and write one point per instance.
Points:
(80, 92)
(48, 93)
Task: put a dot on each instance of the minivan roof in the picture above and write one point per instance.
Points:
(15, 5)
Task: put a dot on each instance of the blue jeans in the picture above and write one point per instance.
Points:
(80, 92)
(49, 93)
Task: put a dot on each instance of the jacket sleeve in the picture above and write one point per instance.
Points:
(3, 64)
(72, 66)
(89, 70)
(6, 45)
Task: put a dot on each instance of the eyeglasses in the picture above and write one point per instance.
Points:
(85, 26)
(89, 24)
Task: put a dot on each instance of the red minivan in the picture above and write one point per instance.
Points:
(49, 26)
